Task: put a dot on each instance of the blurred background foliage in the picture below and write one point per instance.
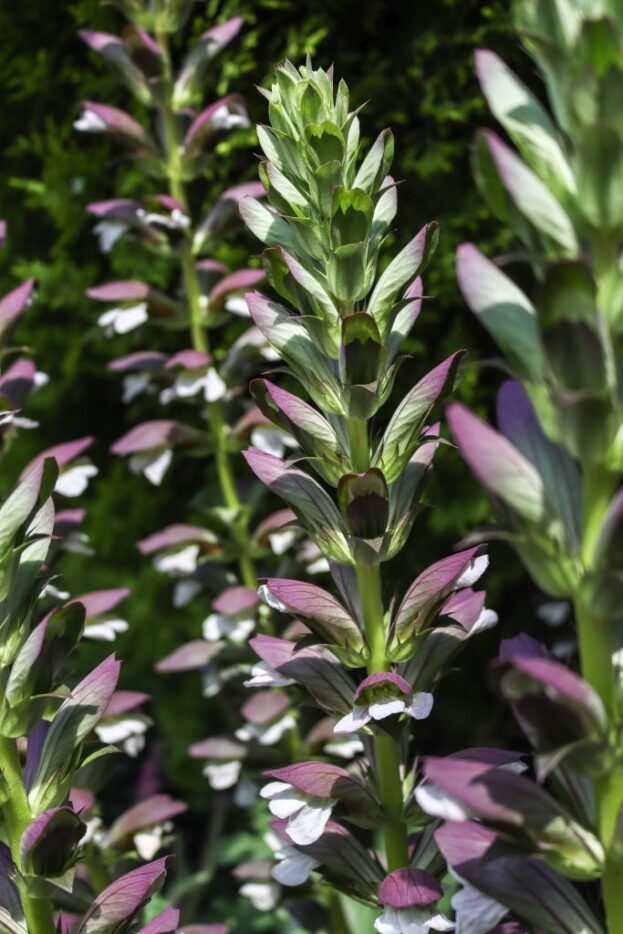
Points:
(413, 62)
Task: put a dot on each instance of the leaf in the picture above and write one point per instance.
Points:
(411, 261)
(505, 311)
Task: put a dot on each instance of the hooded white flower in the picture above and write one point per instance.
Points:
(237, 305)
(411, 921)
(307, 816)
(123, 320)
(149, 841)
(133, 385)
(263, 895)
(266, 734)
(74, 479)
(218, 626)
(105, 630)
(382, 695)
(179, 562)
(222, 775)
(89, 122)
(127, 731)
(152, 464)
(108, 232)
(293, 867)
(264, 676)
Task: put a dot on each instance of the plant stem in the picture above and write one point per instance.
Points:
(596, 649)
(359, 447)
(201, 342)
(17, 815)
(385, 747)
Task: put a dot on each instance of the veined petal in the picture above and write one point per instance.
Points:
(386, 708)
(294, 867)
(353, 721)
(437, 803)
(308, 824)
(283, 800)
(421, 706)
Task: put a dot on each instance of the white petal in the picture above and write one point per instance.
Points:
(293, 868)
(347, 748)
(189, 384)
(487, 620)
(319, 566)
(271, 734)
(184, 592)
(435, 802)
(281, 541)
(284, 803)
(245, 794)
(222, 775)
(134, 385)
(108, 232)
(106, 630)
(133, 745)
(308, 824)
(353, 721)
(241, 630)
(421, 706)
(474, 570)
(148, 842)
(153, 464)
(439, 922)
(386, 708)
(274, 788)
(74, 480)
(215, 627)
(262, 895)
(554, 612)
(211, 682)
(89, 122)
(271, 440)
(115, 731)
(183, 561)
(388, 922)
(237, 305)
(214, 387)
(264, 594)
(262, 676)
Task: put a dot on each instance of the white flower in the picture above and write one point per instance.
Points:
(211, 681)
(153, 464)
(411, 921)
(345, 748)
(148, 842)
(270, 599)
(89, 122)
(220, 626)
(266, 734)
(473, 572)
(272, 440)
(184, 592)
(237, 305)
(214, 387)
(123, 320)
(437, 803)
(51, 591)
(222, 119)
(180, 562)
(108, 232)
(105, 630)
(293, 867)
(128, 732)
(418, 706)
(280, 542)
(486, 620)
(134, 385)
(74, 479)
(245, 793)
(262, 895)
(176, 220)
(554, 612)
(222, 775)
(264, 676)
(307, 816)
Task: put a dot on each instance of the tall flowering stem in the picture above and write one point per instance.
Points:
(355, 487)
(554, 466)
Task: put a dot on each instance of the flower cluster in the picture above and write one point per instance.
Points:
(370, 663)
(552, 468)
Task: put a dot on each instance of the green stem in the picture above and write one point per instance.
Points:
(201, 341)
(387, 752)
(596, 650)
(16, 816)
(358, 440)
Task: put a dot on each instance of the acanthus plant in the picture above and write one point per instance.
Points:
(50, 748)
(553, 469)
(214, 548)
(368, 655)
